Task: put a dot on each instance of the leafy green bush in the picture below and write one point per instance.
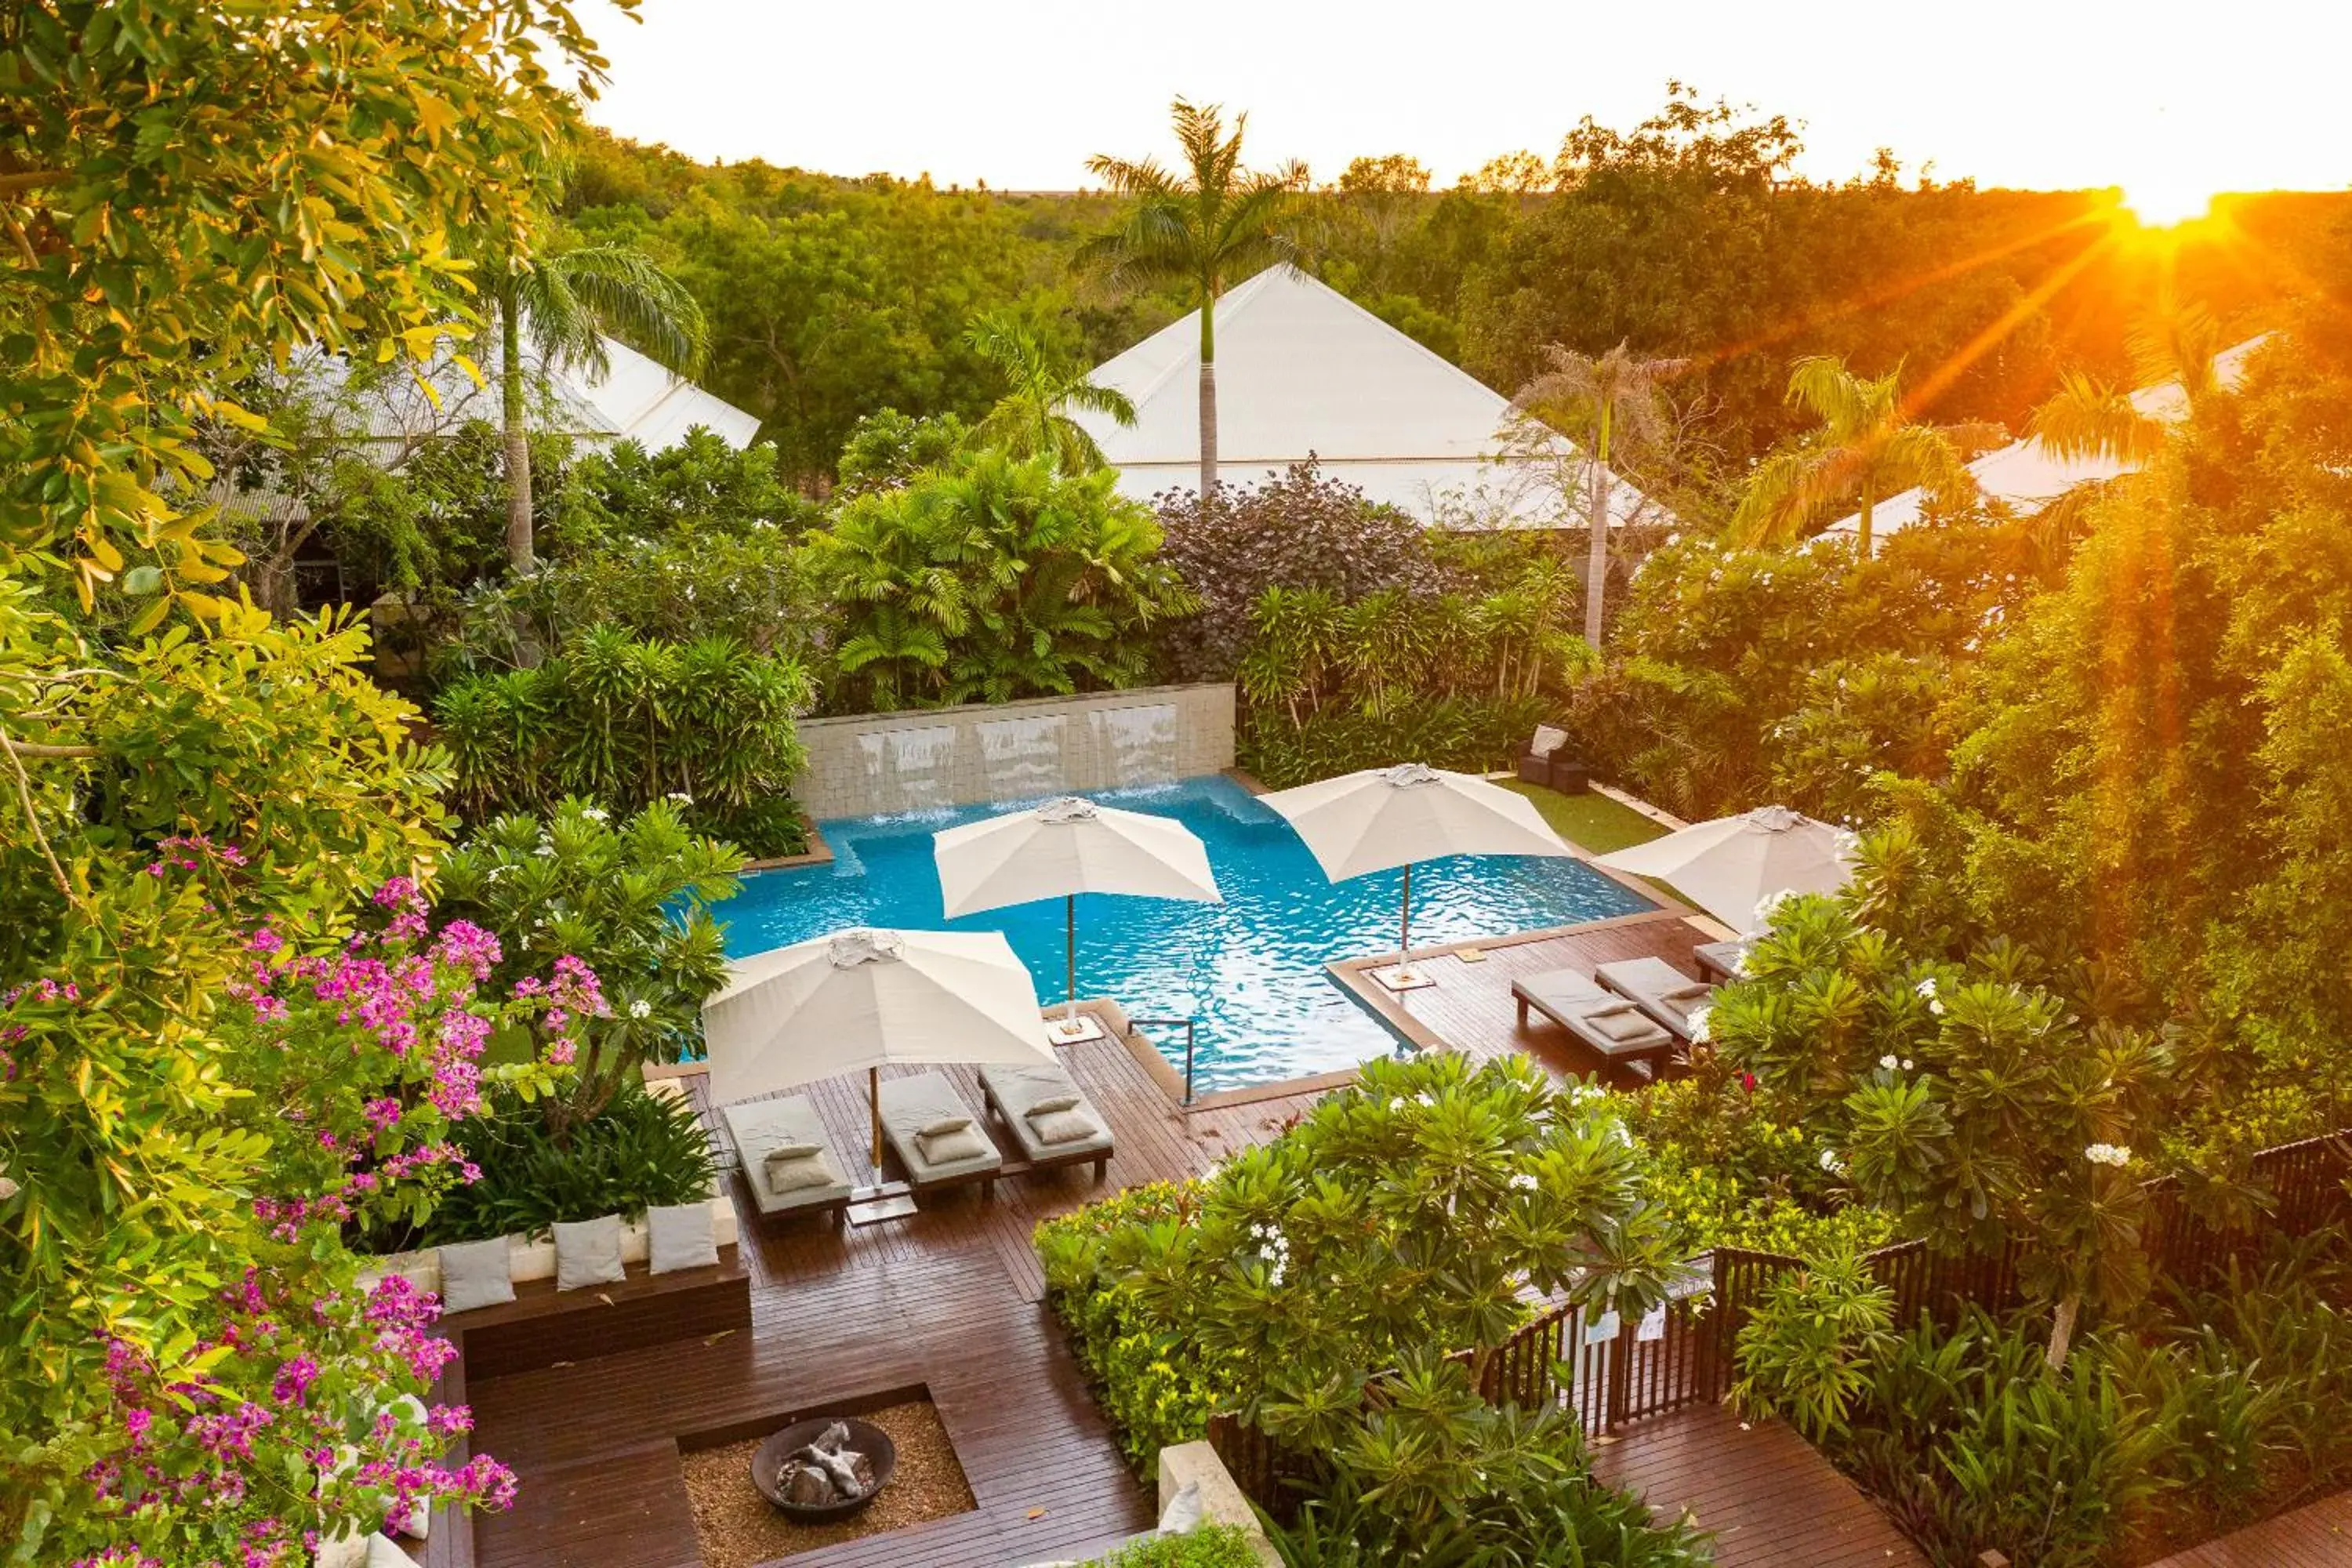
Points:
(1156, 1381)
(1804, 1353)
(628, 721)
(1730, 1175)
(1211, 1546)
(1520, 1496)
(643, 1151)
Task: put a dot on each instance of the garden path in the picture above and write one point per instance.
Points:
(2317, 1535)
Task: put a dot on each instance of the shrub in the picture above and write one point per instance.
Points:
(642, 1150)
(1804, 1351)
(1211, 1546)
(1299, 530)
(1157, 1382)
(1730, 1175)
(626, 721)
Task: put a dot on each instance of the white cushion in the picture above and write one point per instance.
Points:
(382, 1552)
(1063, 1126)
(477, 1274)
(1054, 1102)
(943, 1126)
(788, 1176)
(1185, 1511)
(1548, 741)
(946, 1148)
(588, 1252)
(681, 1237)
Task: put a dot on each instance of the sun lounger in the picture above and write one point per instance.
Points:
(910, 1106)
(759, 1128)
(1720, 960)
(1662, 991)
(1603, 1022)
(1025, 1099)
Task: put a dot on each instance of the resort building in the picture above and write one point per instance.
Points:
(1304, 373)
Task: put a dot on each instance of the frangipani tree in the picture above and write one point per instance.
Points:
(1595, 401)
(1203, 228)
(1041, 387)
(1962, 1096)
(1867, 448)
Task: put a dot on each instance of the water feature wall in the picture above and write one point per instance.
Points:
(867, 763)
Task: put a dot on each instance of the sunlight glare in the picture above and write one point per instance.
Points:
(2168, 200)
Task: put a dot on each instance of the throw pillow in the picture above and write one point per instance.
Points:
(1054, 1102)
(786, 1177)
(382, 1552)
(1548, 741)
(948, 1147)
(795, 1151)
(943, 1126)
(475, 1274)
(588, 1252)
(1185, 1511)
(1062, 1126)
(1623, 1024)
(678, 1237)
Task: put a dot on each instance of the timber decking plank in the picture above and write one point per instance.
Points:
(2317, 1535)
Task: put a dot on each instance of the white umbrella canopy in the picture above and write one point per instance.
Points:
(1381, 818)
(868, 999)
(1061, 849)
(1734, 867)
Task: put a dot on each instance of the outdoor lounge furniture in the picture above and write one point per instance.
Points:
(1549, 761)
(1024, 1100)
(759, 1128)
(1603, 1022)
(1720, 960)
(1662, 991)
(911, 1106)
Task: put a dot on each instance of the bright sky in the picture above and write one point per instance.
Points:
(2170, 98)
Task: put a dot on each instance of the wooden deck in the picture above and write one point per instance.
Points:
(1770, 1500)
(2317, 1535)
(1470, 1008)
(947, 1299)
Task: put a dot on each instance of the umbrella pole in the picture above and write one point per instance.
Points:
(874, 1099)
(1405, 926)
(1070, 939)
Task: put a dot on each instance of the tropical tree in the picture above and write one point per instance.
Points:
(565, 305)
(1201, 229)
(1867, 448)
(1039, 387)
(1593, 400)
(2092, 418)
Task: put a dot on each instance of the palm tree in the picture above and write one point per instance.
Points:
(2088, 418)
(1039, 386)
(1203, 229)
(1591, 401)
(566, 304)
(1866, 449)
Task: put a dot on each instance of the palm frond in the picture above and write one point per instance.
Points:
(2087, 418)
(615, 290)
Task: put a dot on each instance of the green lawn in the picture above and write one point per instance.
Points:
(1593, 823)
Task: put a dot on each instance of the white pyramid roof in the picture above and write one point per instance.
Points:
(2028, 477)
(1304, 371)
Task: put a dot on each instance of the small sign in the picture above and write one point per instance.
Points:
(1604, 1329)
(1654, 1325)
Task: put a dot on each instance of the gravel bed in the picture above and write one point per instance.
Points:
(736, 1527)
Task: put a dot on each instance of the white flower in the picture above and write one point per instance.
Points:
(1772, 901)
(1926, 987)
(1830, 1163)
(1696, 1023)
(1887, 1062)
(1525, 1180)
(544, 849)
(1396, 1102)
(2114, 1154)
(1425, 1097)
(1906, 1064)
(679, 797)
(641, 1008)
(1937, 1008)
(595, 813)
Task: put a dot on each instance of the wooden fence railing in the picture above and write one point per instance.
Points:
(1609, 1372)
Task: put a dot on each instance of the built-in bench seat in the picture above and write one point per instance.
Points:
(542, 1325)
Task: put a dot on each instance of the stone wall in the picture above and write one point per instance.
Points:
(867, 763)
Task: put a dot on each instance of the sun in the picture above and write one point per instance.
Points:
(2168, 200)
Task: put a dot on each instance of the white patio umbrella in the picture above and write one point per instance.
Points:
(1061, 849)
(1384, 817)
(1734, 867)
(869, 999)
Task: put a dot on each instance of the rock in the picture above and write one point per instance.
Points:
(808, 1487)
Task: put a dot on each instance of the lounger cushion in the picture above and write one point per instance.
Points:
(1622, 1022)
(800, 1173)
(678, 1237)
(1054, 1102)
(1063, 1126)
(958, 1143)
(755, 1127)
(477, 1274)
(911, 1104)
(588, 1252)
(1026, 1095)
(795, 1151)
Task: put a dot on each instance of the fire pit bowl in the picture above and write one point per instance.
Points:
(864, 1438)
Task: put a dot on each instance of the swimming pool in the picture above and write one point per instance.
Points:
(1250, 970)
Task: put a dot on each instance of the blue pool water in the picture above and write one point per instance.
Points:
(1250, 970)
